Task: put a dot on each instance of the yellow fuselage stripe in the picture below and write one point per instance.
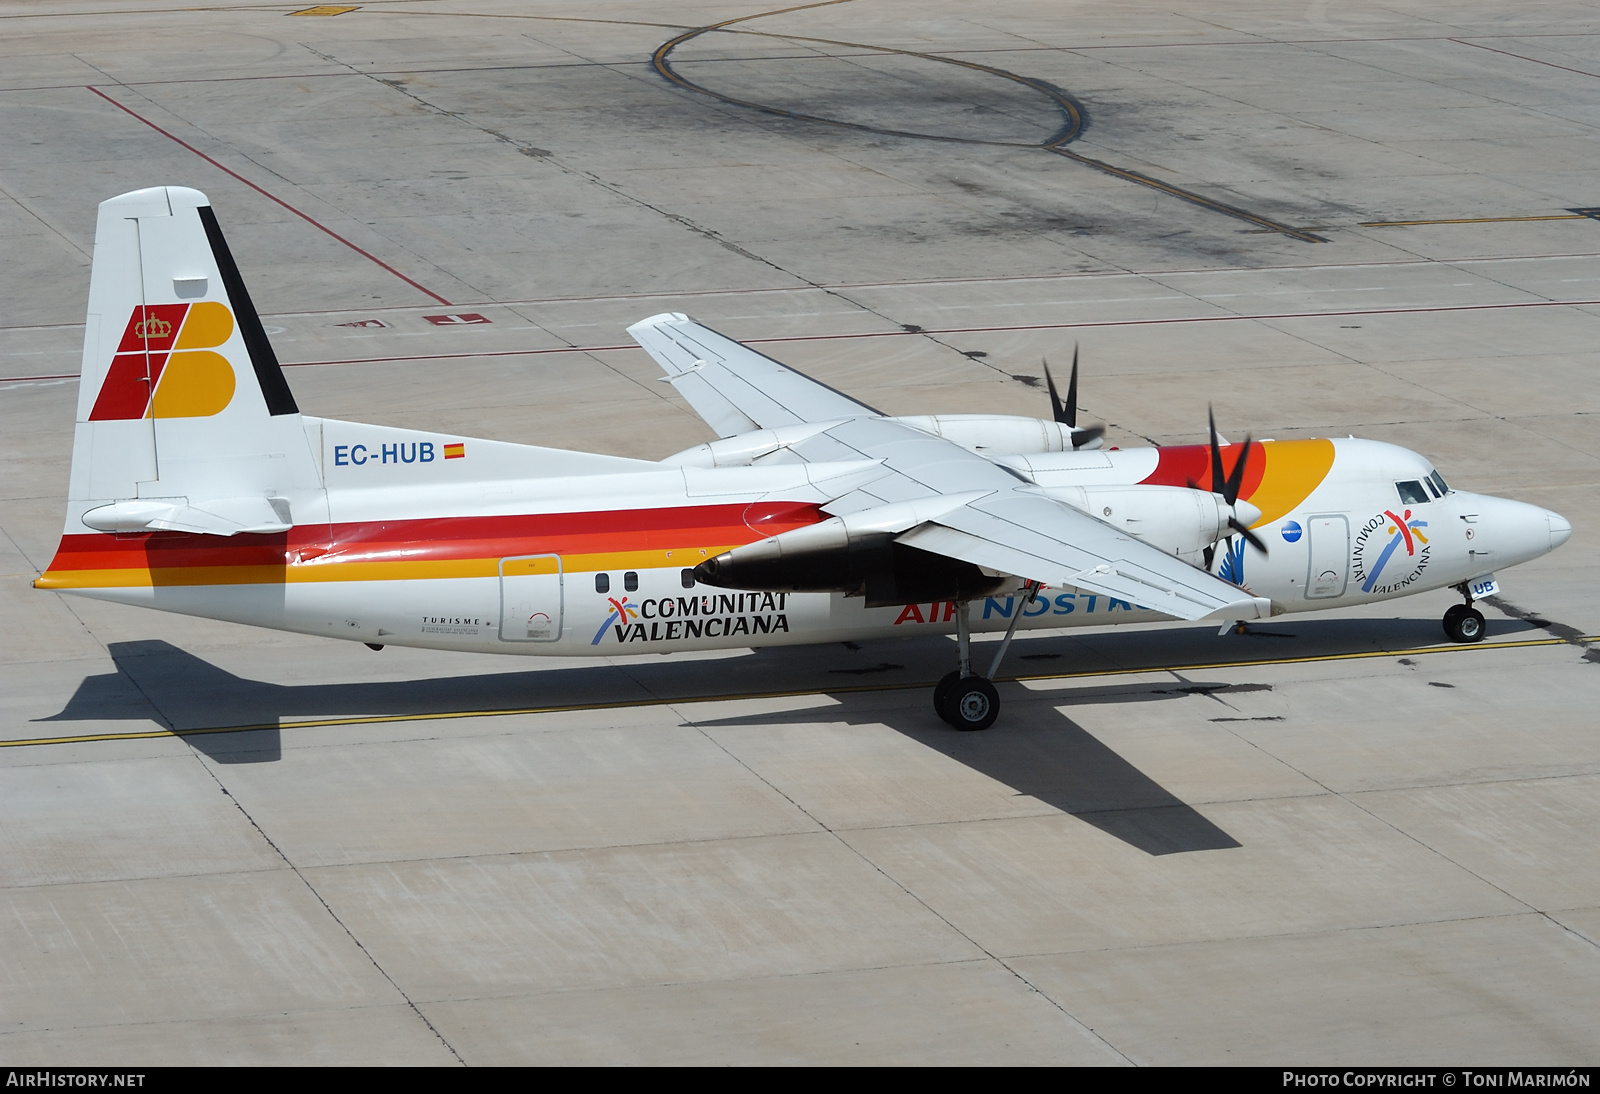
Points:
(406, 570)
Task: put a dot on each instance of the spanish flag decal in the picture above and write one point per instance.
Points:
(455, 451)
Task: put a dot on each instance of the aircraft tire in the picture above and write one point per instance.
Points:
(972, 704)
(941, 694)
(1464, 624)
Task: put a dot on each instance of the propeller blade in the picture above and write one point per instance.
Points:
(1231, 492)
(1082, 436)
(1072, 391)
(1217, 480)
(1249, 537)
(1059, 412)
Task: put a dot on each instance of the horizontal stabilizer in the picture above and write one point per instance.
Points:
(220, 517)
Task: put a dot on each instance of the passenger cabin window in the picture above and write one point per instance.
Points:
(602, 583)
(1412, 493)
(687, 577)
(630, 581)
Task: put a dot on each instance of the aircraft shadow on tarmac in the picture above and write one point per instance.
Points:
(1036, 749)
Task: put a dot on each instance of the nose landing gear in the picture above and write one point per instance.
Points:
(1463, 622)
(970, 702)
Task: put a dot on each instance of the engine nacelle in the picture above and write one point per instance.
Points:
(856, 554)
(1173, 519)
(1007, 434)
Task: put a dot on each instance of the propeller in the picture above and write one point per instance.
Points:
(1067, 413)
(1230, 486)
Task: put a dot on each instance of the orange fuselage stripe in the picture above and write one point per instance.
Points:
(407, 550)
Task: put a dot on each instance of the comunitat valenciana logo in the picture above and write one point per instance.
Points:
(1390, 552)
(166, 365)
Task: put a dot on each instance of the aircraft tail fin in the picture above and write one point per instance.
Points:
(185, 421)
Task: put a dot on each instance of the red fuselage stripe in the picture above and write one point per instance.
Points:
(443, 538)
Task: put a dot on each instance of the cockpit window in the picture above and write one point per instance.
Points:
(1432, 489)
(1438, 483)
(1412, 493)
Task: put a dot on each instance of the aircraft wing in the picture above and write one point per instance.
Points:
(734, 388)
(1008, 527)
(1034, 538)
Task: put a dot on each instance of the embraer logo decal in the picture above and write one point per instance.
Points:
(1405, 531)
(165, 366)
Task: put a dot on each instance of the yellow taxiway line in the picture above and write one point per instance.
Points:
(377, 719)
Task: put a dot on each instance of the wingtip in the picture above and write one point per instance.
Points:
(661, 319)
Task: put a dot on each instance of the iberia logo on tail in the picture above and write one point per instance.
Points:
(166, 365)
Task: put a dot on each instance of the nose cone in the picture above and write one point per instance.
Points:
(1502, 532)
(1560, 528)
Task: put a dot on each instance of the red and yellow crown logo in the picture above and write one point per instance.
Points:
(166, 365)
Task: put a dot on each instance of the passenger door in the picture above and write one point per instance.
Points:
(1330, 557)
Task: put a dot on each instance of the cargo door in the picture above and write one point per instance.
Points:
(530, 598)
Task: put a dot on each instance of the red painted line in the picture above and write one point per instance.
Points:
(986, 330)
(1267, 316)
(264, 193)
(491, 353)
(1264, 317)
(843, 285)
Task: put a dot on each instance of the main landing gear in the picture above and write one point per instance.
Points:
(966, 701)
(1463, 622)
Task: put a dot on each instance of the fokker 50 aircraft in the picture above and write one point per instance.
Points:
(198, 487)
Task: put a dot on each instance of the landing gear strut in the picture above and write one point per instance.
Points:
(1463, 622)
(966, 701)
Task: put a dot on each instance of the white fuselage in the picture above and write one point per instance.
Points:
(597, 562)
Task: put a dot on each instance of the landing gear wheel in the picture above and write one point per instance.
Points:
(972, 704)
(941, 693)
(1464, 624)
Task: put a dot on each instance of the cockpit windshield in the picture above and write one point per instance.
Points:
(1412, 493)
(1436, 480)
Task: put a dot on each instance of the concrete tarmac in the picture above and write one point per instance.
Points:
(1336, 840)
